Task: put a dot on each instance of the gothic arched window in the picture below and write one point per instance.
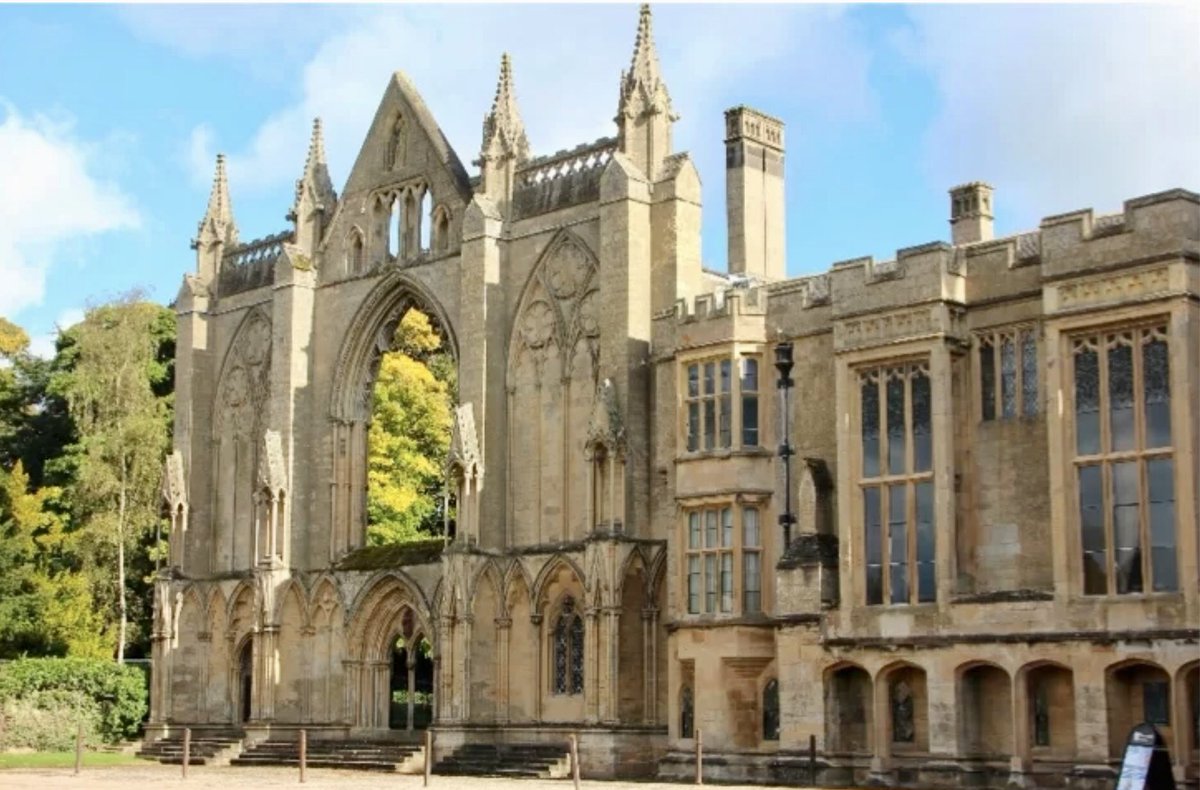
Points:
(687, 714)
(770, 711)
(568, 650)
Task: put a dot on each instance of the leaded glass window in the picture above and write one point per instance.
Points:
(896, 479)
(770, 711)
(568, 650)
(1008, 373)
(1124, 464)
(714, 539)
(713, 389)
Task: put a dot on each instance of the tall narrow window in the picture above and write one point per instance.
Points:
(897, 483)
(693, 408)
(695, 544)
(1041, 716)
(396, 229)
(568, 650)
(1008, 374)
(751, 562)
(770, 711)
(356, 253)
(749, 402)
(426, 219)
(1124, 464)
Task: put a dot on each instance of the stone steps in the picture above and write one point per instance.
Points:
(202, 751)
(353, 755)
(532, 761)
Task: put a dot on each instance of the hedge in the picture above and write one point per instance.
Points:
(44, 699)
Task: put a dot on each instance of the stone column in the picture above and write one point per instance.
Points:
(1020, 763)
(539, 661)
(611, 713)
(503, 632)
(881, 742)
(592, 704)
(411, 666)
(649, 665)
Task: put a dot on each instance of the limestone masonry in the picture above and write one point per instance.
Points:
(993, 570)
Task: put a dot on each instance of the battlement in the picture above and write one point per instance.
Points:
(562, 179)
(723, 303)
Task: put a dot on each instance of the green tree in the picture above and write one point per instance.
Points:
(45, 603)
(115, 371)
(409, 435)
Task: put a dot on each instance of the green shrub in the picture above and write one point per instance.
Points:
(45, 721)
(109, 699)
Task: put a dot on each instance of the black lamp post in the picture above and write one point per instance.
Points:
(783, 363)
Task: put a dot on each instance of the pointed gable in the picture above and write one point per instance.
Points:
(404, 142)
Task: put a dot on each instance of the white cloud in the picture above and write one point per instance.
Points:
(49, 197)
(43, 345)
(567, 63)
(1062, 107)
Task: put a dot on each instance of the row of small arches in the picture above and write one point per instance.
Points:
(407, 225)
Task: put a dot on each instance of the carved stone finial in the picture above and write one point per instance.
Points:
(174, 488)
(314, 187)
(642, 87)
(464, 442)
(217, 224)
(605, 428)
(503, 129)
(272, 475)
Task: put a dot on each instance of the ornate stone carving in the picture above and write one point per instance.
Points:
(174, 488)
(869, 330)
(246, 384)
(272, 475)
(464, 442)
(1112, 289)
(604, 426)
(538, 324)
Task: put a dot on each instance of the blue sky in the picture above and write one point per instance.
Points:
(110, 116)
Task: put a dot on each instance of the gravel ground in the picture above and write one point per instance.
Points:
(152, 775)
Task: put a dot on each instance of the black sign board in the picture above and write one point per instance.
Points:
(1147, 764)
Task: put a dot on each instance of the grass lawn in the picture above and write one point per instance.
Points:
(63, 759)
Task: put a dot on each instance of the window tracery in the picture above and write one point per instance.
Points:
(1124, 461)
(897, 482)
(568, 649)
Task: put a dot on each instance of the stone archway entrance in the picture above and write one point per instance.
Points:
(245, 680)
(411, 687)
(392, 665)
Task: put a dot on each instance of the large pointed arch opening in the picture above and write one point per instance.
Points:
(394, 397)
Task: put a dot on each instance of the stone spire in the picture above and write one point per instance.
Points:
(217, 229)
(642, 87)
(644, 114)
(503, 129)
(218, 218)
(505, 146)
(315, 195)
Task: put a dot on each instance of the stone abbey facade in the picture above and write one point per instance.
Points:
(993, 571)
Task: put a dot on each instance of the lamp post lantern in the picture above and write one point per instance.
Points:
(783, 363)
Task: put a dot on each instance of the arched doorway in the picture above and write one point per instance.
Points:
(410, 689)
(245, 680)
